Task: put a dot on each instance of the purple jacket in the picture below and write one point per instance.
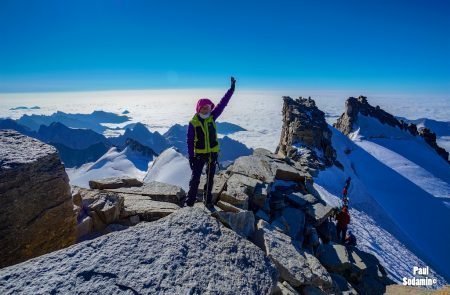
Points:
(215, 113)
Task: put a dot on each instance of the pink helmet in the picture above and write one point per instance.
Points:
(203, 102)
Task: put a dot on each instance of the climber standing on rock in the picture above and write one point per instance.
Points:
(203, 145)
(343, 219)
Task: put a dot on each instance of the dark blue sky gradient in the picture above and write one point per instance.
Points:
(401, 46)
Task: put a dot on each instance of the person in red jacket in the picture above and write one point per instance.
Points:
(343, 219)
(344, 192)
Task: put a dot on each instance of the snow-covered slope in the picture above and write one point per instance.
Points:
(170, 167)
(114, 163)
(402, 184)
(408, 155)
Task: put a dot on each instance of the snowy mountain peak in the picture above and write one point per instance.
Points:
(355, 120)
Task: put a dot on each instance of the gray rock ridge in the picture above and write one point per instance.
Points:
(360, 105)
(36, 213)
(305, 136)
(188, 252)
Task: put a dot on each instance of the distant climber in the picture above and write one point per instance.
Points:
(347, 182)
(344, 192)
(203, 145)
(345, 201)
(343, 219)
(350, 239)
(345, 198)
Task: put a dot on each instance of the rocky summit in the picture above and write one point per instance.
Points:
(188, 252)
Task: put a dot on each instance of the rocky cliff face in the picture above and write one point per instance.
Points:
(360, 105)
(305, 136)
(36, 212)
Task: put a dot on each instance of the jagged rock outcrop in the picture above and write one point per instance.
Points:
(360, 268)
(360, 105)
(305, 136)
(188, 252)
(295, 265)
(355, 106)
(36, 213)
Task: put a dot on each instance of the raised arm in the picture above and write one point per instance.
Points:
(224, 101)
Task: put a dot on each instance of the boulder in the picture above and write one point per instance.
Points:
(84, 227)
(238, 190)
(334, 257)
(252, 166)
(37, 212)
(103, 207)
(76, 197)
(311, 238)
(360, 268)
(243, 222)
(295, 265)
(145, 208)
(276, 204)
(107, 205)
(291, 222)
(114, 182)
(300, 200)
(219, 183)
(260, 195)
(283, 171)
(319, 212)
(327, 232)
(261, 152)
(157, 191)
(188, 252)
(97, 223)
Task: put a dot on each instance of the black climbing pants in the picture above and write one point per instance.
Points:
(341, 233)
(200, 160)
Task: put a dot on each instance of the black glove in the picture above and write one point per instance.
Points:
(233, 82)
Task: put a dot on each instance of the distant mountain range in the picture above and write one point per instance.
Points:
(82, 146)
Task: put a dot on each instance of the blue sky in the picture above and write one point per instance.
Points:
(401, 46)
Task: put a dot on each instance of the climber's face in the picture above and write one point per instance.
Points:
(205, 109)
